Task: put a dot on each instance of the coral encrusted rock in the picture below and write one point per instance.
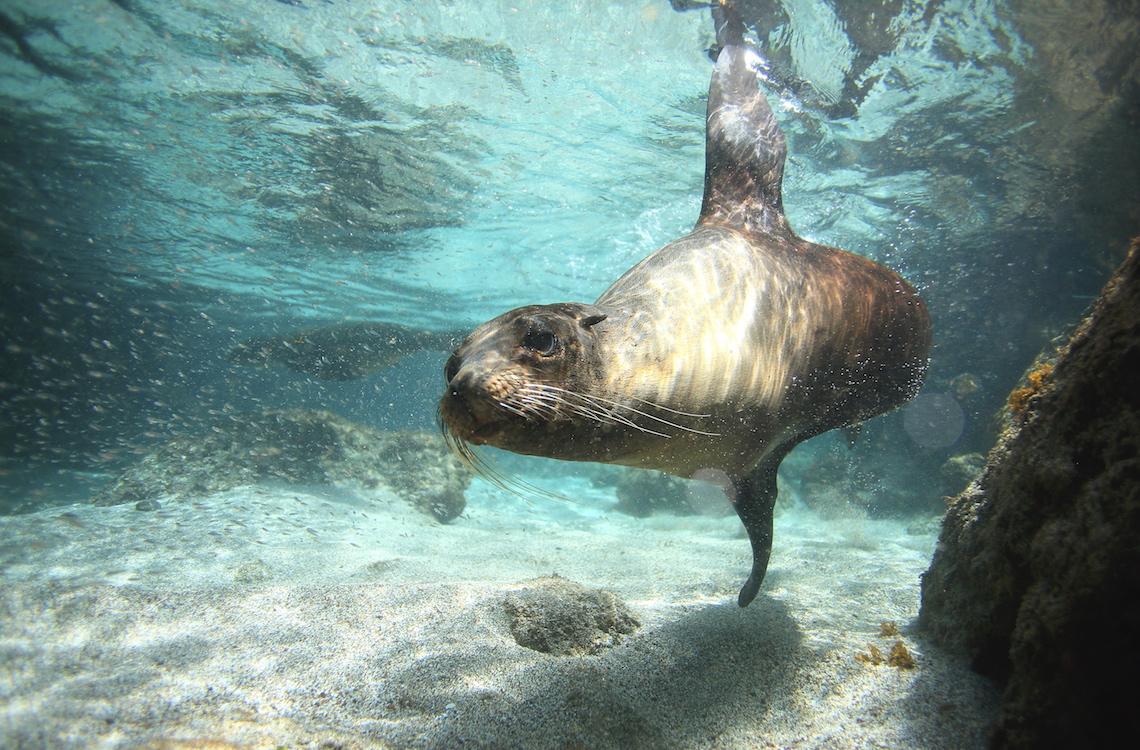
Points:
(1036, 577)
(302, 447)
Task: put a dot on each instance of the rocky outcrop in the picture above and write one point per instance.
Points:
(300, 447)
(643, 493)
(1037, 573)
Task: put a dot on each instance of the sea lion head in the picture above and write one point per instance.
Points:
(513, 383)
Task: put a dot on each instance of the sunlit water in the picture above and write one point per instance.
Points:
(181, 176)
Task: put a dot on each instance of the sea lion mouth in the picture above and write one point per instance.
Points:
(473, 420)
(485, 434)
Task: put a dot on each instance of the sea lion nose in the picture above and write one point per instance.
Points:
(459, 379)
(462, 389)
(465, 408)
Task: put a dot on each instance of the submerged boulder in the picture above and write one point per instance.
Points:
(642, 493)
(1036, 577)
(559, 617)
(301, 447)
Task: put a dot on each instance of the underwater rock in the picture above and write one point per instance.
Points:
(252, 573)
(1037, 571)
(959, 471)
(563, 618)
(840, 482)
(303, 447)
(643, 493)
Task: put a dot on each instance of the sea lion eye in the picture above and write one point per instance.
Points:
(539, 340)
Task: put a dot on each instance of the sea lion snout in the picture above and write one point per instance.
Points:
(517, 374)
(472, 403)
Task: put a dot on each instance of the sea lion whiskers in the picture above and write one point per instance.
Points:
(595, 400)
(594, 408)
(494, 474)
(662, 407)
(537, 402)
(615, 418)
(555, 396)
(584, 407)
(516, 410)
(550, 400)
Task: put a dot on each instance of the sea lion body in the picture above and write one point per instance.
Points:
(719, 352)
(727, 344)
(774, 338)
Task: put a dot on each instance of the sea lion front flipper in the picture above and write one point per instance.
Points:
(744, 146)
(755, 503)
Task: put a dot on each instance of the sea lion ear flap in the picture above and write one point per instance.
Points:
(591, 316)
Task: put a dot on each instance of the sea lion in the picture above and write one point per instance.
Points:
(715, 355)
(341, 351)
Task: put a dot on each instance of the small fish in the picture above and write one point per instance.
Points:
(342, 351)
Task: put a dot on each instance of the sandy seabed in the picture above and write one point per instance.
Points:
(272, 617)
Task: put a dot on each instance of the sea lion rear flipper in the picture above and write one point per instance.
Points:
(744, 146)
(755, 503)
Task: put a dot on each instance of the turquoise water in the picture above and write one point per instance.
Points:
(178, 177)
(181, 176)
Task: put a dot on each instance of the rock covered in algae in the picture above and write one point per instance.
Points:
(1036, 577)
(302, 447)
(563, 618)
